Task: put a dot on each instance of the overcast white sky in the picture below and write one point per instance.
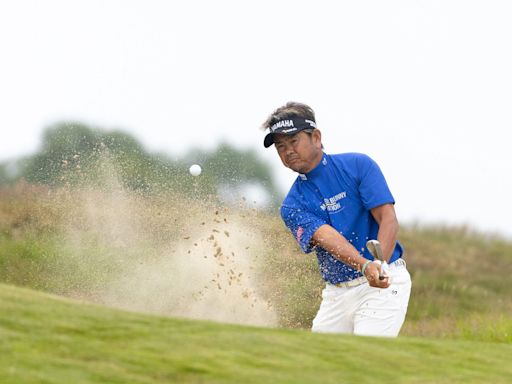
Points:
(424, 87)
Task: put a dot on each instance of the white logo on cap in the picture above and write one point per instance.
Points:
(310, 122)
(289, 130)
(281, 124)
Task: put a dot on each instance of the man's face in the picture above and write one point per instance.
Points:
(300, 152)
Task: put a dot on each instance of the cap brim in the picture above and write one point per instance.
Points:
(269, 140)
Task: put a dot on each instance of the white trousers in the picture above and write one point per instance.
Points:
(364, 310)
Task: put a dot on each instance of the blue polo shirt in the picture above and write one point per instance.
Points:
(340, 192)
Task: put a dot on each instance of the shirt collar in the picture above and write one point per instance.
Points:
(315, 171)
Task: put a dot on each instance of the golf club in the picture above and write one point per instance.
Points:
(375, 249)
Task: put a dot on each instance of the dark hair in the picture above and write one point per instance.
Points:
(289, 110)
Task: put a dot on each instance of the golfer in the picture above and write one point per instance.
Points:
(336, 204)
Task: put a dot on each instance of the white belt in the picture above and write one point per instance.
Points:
(362, 279)
(351, 283)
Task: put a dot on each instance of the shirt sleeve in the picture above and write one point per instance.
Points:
(302, 224)
(372, 185)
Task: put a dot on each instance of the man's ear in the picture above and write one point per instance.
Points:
(317, 138)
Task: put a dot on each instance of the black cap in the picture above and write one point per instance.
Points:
(290, 126)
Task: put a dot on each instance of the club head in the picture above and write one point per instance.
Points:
(374, 248)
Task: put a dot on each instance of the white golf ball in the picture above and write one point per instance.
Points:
(195, 170)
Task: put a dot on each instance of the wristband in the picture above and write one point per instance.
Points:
(364, 266)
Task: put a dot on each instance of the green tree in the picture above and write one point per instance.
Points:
(74, 154)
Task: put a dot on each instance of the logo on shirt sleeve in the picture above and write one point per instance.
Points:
(300, 232)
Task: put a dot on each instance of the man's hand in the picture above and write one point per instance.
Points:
(372, 273)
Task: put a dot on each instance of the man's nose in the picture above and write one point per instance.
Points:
(289, 150)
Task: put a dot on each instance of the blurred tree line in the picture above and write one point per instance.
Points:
(74, 154)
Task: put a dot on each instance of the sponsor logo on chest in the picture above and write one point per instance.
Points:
(332, 204)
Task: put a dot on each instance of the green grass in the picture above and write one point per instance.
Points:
(48, 339)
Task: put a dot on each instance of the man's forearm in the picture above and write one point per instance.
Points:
(336, 244)
(388, 231)
(388, 228)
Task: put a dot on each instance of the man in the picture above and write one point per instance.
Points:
(338, 203)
